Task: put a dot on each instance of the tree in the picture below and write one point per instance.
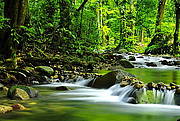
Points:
(176, 33)
(15, 11)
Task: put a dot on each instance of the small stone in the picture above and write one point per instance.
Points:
(168, 88)
(18, 107)
(124, 83)
(5, 90)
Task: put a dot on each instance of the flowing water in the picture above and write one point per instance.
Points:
(88, 104)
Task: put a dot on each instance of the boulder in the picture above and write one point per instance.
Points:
(62, 88)
(29, 90)
(126, 64)
(152, 64)
(5, 109)
(45, 70)
(132, 58)
(110, 79)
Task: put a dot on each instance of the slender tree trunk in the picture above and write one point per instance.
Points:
(122, 26)
(79, 31)
(176, 33)
(15, 11)
(141, 35)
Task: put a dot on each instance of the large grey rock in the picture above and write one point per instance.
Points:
(126, 64)
(110, 79)
(45, 70)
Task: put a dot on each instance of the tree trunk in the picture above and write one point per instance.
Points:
(176, 33)
(65, 18)
(15, 11)
(159, 18)
(161, 8)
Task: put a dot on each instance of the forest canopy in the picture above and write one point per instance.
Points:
(79, 26)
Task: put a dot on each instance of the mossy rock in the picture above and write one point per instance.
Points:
(29, 90)
(122, 51)
(45, 70)
(147, 98)
(126, 64)
(20, 94)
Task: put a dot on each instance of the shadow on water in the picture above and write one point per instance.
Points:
(156, 75)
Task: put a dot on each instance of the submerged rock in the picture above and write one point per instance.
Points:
(152, 64)
(62, 88)
(126, 64)
(132, 58)
(110, 79)
(5, 109)
(45, 70)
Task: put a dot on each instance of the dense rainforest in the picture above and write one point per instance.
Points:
(112, 52)
(76, 26)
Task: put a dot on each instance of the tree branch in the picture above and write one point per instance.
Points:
(82, 5)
